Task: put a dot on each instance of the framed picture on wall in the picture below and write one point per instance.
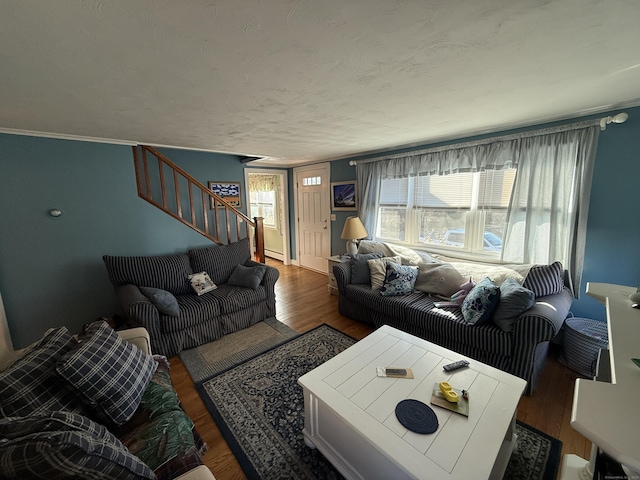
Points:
(229, 191)
(344, 196)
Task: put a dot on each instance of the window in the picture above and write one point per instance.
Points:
(311, 181)
(263, 204)
(537, 216)
(462, 211)
(393, 208)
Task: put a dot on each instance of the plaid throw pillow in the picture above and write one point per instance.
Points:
(31, 385)
(111, 374)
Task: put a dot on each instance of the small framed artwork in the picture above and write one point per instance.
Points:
(344, 196)
(229, 191)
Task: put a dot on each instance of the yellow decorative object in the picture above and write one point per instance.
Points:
(448, 392)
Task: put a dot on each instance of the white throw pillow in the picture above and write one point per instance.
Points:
(202, 283)
(378, 269)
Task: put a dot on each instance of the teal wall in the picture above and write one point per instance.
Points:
(51, 271)
(341, 171)
(613, 232)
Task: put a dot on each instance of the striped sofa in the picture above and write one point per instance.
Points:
(202, 318)
(521, 352)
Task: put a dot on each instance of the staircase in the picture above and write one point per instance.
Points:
(166, 186)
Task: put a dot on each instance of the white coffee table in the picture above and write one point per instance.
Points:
(350, 412)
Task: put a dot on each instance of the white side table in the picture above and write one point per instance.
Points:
(332, 286)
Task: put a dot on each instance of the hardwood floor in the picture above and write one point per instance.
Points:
(302, 302)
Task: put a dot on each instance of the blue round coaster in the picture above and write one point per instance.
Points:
(416, 416)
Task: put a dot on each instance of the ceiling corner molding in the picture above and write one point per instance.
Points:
(63, 136)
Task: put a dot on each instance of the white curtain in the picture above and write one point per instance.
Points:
(549, 205)
(547, 217)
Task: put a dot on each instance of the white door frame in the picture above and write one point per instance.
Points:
(296, 171)
(284, 182)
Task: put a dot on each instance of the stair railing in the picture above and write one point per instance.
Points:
(169, 188)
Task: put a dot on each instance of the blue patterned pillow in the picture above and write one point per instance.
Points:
(111, 374)
(399, 280)
(31, 385)
(545, 280)
(63, 445)
(481, 302)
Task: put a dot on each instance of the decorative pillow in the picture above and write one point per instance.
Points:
(399, 280)
(249, 277)
(164, 301)
(545, 280)
(69, 453)
(438, 278)
(201, 283)
(359, 268)
(514, 300)
(31, 386)
(110, 374)
(481, 302)
(378, 270)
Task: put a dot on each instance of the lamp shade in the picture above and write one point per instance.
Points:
(353, 229)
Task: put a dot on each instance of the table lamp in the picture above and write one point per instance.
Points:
(353, 230)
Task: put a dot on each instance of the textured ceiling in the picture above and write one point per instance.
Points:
(301, 81)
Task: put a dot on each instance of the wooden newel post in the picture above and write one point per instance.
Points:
(259, 238)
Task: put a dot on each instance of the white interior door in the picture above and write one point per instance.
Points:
(313, 209)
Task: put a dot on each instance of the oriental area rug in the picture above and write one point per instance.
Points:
(259, 408)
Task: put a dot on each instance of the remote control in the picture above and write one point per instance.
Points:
(396, 371)
(456, 365)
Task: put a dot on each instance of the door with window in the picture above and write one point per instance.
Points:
(313, 215)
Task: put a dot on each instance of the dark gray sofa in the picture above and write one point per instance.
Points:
(203, 318)
(521, 352)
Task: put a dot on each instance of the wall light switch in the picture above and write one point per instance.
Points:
(333, 217)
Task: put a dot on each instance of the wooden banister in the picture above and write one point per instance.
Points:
(205, 210)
